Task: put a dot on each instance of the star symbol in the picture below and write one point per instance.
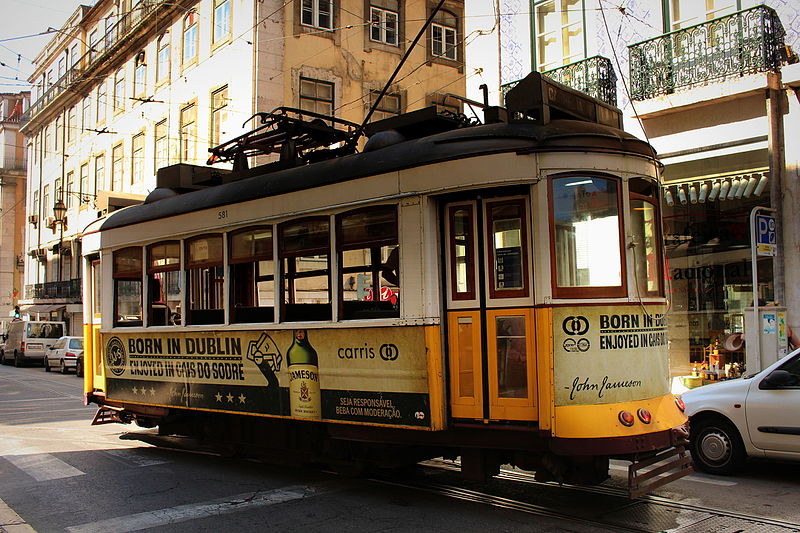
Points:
(242, 398)
(230, 397)
(135, 390)
(152, 391)
(218, 396)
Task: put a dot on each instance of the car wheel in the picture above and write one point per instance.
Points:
(63, 367)
(717, 447)
(46, 365)
(79, 368)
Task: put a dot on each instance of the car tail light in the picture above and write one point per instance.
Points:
(644, 415)
(22, 346)
(70, 354)
(680, 404)
(626, 418)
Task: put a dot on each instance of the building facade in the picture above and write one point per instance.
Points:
(12, 202)
(130, 86)
(713, 86)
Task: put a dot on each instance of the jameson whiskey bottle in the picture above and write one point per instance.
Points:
(304, 394)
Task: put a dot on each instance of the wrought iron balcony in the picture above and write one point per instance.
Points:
(99, 51)
(594, 76)
(65, 290)
(747, 42)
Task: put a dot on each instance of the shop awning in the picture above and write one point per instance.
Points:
(41, 308)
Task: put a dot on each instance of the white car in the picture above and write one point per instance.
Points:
(753, 416)
(63, 354)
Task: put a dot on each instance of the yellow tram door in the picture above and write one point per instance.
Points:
(490, 316)
(93, 363)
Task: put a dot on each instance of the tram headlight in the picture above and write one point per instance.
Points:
(644, 415)
(626, 418)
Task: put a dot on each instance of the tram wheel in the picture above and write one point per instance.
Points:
(717, 447)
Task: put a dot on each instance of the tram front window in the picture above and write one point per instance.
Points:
(304, 249)
(252, 275)
(586, 234)
(205, 279)
(128, 287)
(645, 251)
(164, 284)
(370, 260)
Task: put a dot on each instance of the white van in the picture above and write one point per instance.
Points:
(28, 340)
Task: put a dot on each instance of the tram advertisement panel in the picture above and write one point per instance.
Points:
(609, 354)
(367, 375)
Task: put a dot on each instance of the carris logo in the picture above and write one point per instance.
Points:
(389, 352)
(575, 325)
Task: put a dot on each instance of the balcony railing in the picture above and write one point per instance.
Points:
(67, 290)
(746, 42)
(98, 52)
(594, 76)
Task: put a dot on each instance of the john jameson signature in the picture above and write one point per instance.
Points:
(602, 387)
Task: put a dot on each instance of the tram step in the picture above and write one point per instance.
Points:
(662, 468)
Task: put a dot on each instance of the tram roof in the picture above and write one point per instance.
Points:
(474, 141)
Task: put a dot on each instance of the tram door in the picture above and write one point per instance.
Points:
(490, 318)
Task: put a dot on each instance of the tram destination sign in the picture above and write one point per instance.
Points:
(609, 354)
(366, 375)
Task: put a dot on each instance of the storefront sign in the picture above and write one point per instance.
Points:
(374, 375)
(609, 354)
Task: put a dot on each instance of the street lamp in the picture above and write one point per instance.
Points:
(60, 218)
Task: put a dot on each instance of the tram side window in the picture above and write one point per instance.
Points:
(506, 224)
(128, 287)
(164, 284)
(304, 249)
(369, 256)
(205, 279)
(252, 272)
(587, 250)
(462, 252)
(645, 231)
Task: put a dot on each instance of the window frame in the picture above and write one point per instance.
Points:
(137, 160)
(117, 166)
(268, 256)
(163, 69)
(222, 38)
(187, 266)
(471, 294)
(118, 97)
(455, 10)
(306, 252)
(659, 237)
(83, 180)
(127, 275)
(151, 269)
(381, 26)
(187, 134)
(537, 33)
(374, 245)
(163, 139)
(525, 290)
(609, 291)
(219, 114)
(190, 38)
(140, 75)
(316, 99)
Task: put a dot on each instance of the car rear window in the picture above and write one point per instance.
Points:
(45, 330)
(76, 344)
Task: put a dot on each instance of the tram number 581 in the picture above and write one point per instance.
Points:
(222, 214)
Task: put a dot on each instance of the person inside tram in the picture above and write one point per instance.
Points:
(159, 310)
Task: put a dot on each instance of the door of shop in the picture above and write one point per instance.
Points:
(490, 320)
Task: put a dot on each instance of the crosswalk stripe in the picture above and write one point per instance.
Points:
(43, 466)
(182, 513)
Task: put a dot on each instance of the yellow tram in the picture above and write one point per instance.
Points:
(490, 291)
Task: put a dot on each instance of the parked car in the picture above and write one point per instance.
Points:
(29, 339)
(64, 354)
(753, 416)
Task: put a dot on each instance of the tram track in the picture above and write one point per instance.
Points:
(598, 506)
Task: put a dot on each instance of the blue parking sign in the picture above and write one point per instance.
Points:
(766, 236)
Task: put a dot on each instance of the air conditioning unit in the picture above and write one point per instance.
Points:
(33, 219)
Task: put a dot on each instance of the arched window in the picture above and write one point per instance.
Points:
(163, 59)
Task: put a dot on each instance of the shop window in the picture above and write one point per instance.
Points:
(508, 251)
(305, 269)
(252, 275)
(164, 284)
(586, 232)
(645, 234)
(205, 279)
(128, 287)
(369, 256)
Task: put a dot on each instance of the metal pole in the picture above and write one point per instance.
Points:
(777, 171)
